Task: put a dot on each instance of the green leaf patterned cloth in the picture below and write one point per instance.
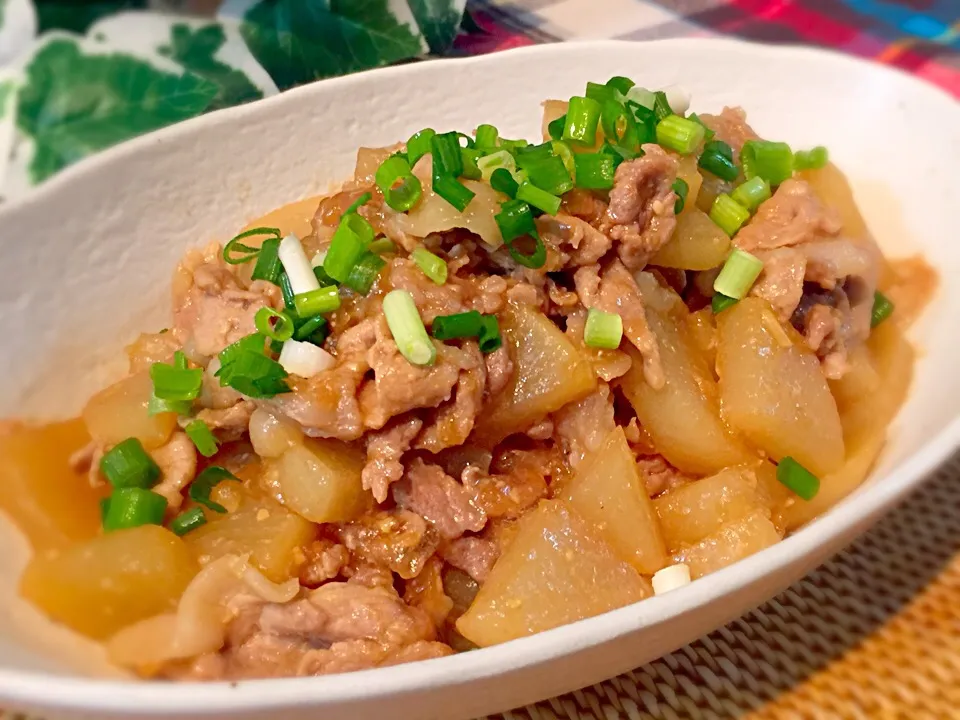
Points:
(77, 76)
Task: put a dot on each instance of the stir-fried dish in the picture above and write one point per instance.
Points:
(497, 387)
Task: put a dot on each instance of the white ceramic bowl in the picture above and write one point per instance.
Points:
(85, 264)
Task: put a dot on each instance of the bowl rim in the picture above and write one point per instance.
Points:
(109, 695)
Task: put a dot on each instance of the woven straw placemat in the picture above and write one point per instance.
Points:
(873, 633)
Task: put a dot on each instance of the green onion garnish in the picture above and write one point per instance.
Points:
(752, 192)
(813, 159)
(419, 145)
(555, 127)
(882, 309)
(488, 164)
(358, 203)
(583, 114)
(545, 169)
(312, 330)
(318, 302)
(646, 122)
(530, 193)
(268, 265)
(728, 214)
(502, 181)
(245, 367)
(515, 219)
(348, 245)
(796, 477)
(458, 325)
(621, 84)
(717, 158)
(321, 275)
(489, 338)
(275, 325)
(287, 291)
(602, 93)
(156, 406)
(236, 253)
(682, 189)
(188, 520)
(104, 509)
(721, 302)
(407, 328)
(204, 484)
(773, 161)
(380, 246)
(738, 274)
(618, 153)
(535, 258)
(400, 187)
(708, 133)
(679, 134)
(202, 437)
(661, 106)
(363, 274)
(447, 159)
(131, 507)
(453, 191)
(127, 465)
(470, 156)
(641, 96)
(603, 329)
(171, 382)
(432, 266)
(487, 136)
(595, 171)
(619, 127)
(562, 150)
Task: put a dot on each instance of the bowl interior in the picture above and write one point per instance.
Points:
(85, 264)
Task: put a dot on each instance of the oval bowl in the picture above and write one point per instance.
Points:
(85, 263)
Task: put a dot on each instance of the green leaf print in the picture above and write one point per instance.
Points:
(439, 21)
(73, 104)
(297, 41)
(195, 50)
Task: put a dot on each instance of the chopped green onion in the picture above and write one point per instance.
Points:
(773, 161)
(268, 265)
(595, 171)
(621, 84)
(317, 302)
(458, 325)
(661, 106)
(489, 338)
(602, 93)
(538, 198)
(882, 309)
(156, 406)
(362, 275)
(321, 275)
(487, 136)
(512, 145)
(563, 151)
(555, 127)
(245, 367)
(502, 181)
(603, 329)
(682, 189)
(249, 343)
(358, 203)
(202, 437)
(679, 134)
(400, 187)
(287, 292)
(465, 141)
(583, 114)
(175, 383)
(796, 477)
(471, 170)
(717, 158)
(708, 134)
(348, 245)
(641, 96)
(127, 464)
(419, 145)
(619, 127)
(535, 258)
(738, 274)
(545, 170)
(381, 246)
(188, 520)
(432, 266)
(204, 484)
(313, 330)
(407, 328)
(728, 214)
(646, 122)
(751, 193)
(813, 159)
(236, 253)
(515, 220)
(275, 325)
(179, 360)
(132, 507)
(618, 153)
(453, 191)
(721, 302)
(500, 159)
(447, 159)
(104, 509)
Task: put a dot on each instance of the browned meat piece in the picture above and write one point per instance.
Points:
(792, 216)
(517, 482)
(584, 205)
(428, 491)
(451, 423)
(499, 370)
(474, 555)
(640, 216)
(831, 328)
(576, 241)
(324, 560)
(150, 348)
(542, 430)
(384, 450)
(425, 592)
(731, 127)
(525, 294)
(781, 281)
(211, 307)
(178, 466)
(659, 475)
(616, 291)
(399, 539)
(229, 423)
(581, 427)
(489, 295)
